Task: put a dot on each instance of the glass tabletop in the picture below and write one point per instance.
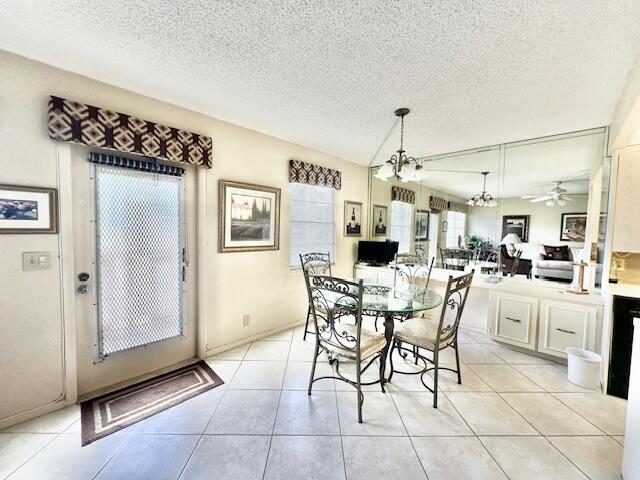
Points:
(383, 297)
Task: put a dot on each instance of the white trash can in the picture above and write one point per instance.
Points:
(584, 368)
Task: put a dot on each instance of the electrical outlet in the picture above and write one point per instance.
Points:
(620, 264)
(245, 320)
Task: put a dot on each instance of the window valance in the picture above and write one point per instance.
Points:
(301, 172)
(147, 165)
(75, 122)
(403, 195)
(437, 204)
(458, 207)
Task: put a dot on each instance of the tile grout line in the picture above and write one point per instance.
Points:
(475, 434)
(55, 435)
(275, 418)
(184, 467)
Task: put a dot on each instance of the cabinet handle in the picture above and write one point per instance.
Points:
(514, 319)
(565, 331)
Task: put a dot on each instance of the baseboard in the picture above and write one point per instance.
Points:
(253, 338)
(34, 413)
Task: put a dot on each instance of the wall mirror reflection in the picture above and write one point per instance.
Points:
(530, 209)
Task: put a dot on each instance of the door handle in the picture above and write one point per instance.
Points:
(83, 276)
(514, 319)
(83, 289)
(565, 331)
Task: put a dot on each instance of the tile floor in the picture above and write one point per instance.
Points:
(515, 416)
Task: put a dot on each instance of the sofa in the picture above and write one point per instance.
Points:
(553, 262)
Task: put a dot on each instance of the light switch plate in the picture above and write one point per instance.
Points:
(36, 261)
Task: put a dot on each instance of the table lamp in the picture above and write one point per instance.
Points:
(511, 239)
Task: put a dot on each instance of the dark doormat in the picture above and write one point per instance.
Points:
(105, 415)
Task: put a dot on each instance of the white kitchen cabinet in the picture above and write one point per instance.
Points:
(514, 319)
(566, 324)
(626, 228)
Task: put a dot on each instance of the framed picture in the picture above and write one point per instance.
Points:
(249, 217)
(28, 209)
(518, 224)
(352, 219)
(379, 220)
(422, 225)
(573, 227)
(445, 226)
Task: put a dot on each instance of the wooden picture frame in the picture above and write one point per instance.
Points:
(352, 219)
(28, 210)
(518, 224)
(573, 227)
(380, 221)
(249, 217)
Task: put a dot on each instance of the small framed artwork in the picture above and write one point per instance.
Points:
(28, 209)
(445, 226)
(249, 217)
(379, 220)
(422, 225)
(352, 219)
(518, 224)
(573, 227)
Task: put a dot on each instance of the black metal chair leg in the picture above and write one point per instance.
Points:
(455, 346)
(381, 371)
(435, 377)
(313, 366)
(359, 389)
(393, 346)
(306, 326)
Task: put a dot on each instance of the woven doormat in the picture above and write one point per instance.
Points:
(105, 415)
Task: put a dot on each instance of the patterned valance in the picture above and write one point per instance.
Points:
(458, 207)
(403, 195)
(301, 172)
(147, 165)
(437, 204)
(75, 122)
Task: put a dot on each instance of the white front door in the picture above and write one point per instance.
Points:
(135, 298)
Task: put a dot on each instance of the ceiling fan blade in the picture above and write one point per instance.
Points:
(529, 196)
(541, 199)
(568, 199)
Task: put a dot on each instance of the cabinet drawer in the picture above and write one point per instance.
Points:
(514, 319)
(564, 325)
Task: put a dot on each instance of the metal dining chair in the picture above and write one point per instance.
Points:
(331, 298)
(434, 335)
(314, 263)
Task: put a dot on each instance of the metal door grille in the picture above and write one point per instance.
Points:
(139, 258)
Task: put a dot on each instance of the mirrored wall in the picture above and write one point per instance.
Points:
(543, 200)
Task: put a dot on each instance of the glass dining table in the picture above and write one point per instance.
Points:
(395, 302)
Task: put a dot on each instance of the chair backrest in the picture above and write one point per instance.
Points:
(516, 264)
(413, 269)
(316, 263)
(332, 298)
(453, 304)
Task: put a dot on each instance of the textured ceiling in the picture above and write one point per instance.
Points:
(329, 74)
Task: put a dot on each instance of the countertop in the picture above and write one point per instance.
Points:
(623, 289)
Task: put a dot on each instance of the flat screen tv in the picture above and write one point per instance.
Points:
(377, 253)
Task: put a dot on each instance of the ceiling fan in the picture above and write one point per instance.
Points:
(556, 196)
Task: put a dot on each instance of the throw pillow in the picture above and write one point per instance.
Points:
(556, 253)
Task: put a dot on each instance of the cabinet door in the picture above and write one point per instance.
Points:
(566, 324)
(626, 228)
(514, 319)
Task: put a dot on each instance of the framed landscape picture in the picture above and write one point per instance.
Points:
(422, 225)
(28, 209)
(379, 221)
(352, 219)
(249, 217)
(573, 227)
(518, 224)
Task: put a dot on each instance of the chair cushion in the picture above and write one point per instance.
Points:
(370, 342)
(421, 332)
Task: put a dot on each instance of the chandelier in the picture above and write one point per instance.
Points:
(483, 199)
(400, 166)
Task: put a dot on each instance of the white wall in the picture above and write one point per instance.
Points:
(544, 222)
(260, 284)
